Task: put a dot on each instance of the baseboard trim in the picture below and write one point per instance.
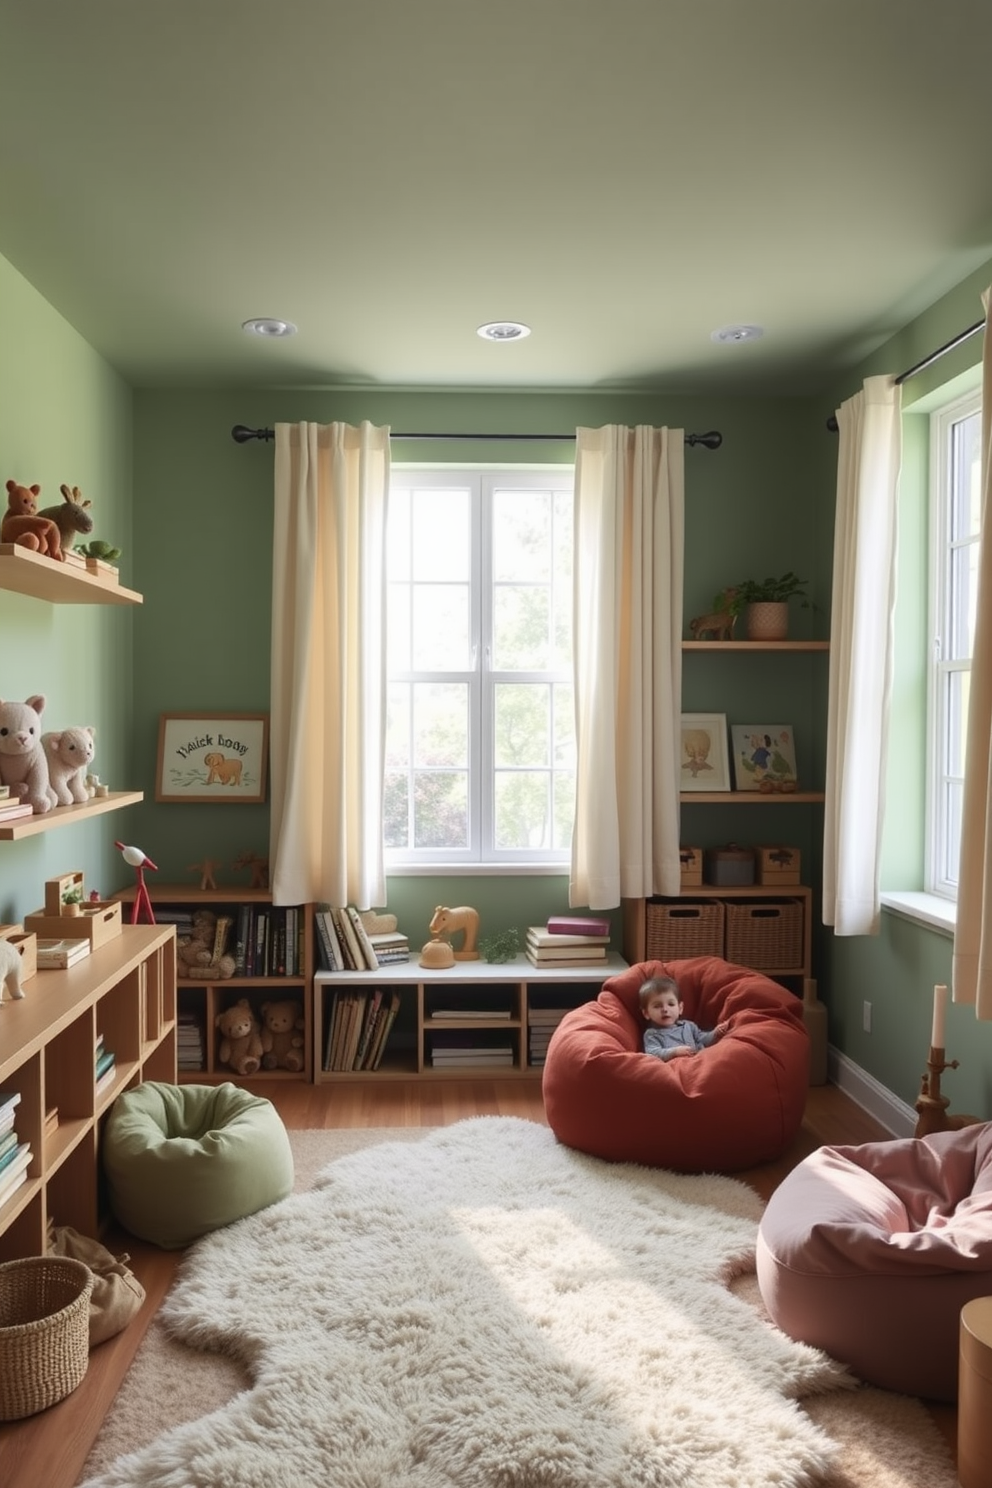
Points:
(871, 1094)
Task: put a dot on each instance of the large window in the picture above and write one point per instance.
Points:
(480, 746)
(955, 444)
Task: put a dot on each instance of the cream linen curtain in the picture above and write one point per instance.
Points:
(326, 735)
(860, 682)
(629, 531)
(972, 963)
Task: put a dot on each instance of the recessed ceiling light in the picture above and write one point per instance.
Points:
(503, 330)
(730, 334)
(263, 325)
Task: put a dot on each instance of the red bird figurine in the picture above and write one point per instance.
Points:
(139, 861)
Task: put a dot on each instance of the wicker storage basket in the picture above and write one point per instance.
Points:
(44, 1332)
(766, 935)
(686, 927)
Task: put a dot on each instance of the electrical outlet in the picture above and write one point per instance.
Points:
(866, 1016)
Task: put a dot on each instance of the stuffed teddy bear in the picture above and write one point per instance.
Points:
(282, 1037)
(10, 970)
(23, 763)
(68, 755)
(240, 1045)
(195, 952)
(23, 524)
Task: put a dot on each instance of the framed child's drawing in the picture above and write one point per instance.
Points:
(764, 757)
(212, 757)
(704, 762)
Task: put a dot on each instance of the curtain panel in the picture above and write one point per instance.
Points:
(628, 568)
(860, 679)
(327, 725)
(972, 961)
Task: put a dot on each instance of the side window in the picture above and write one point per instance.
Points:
(955, 504)
(480, 749)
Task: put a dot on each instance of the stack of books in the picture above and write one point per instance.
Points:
(106, 1062)
(14, 1155)
(568, 941)
(468, 1051)
(57, 955)
(11, 807)
(541, 1024)
(344, 944)
(358, 1029)
(190, 1053)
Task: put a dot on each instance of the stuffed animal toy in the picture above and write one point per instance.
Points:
(23, 764)
(195, 952)
(68, 755)
(24, 524)
(240, 1045)
(10, 970)
(70, 518)
(282, 1036)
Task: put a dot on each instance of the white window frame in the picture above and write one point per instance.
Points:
(940, 877)
(481, 855)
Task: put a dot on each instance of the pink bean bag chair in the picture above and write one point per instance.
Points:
(870, 1253)
(735, 1104)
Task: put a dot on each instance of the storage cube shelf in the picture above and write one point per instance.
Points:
(766, 929)
(125, 990)
(201, 1001)
(475, 1019)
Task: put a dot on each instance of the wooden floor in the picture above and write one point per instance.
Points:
(48, 1450)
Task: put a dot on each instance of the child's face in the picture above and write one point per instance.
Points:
(663, 1009)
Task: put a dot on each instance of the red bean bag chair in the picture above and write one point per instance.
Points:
(870, 1253)
(735, 1104)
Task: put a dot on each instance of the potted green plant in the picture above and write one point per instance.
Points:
(764, 604)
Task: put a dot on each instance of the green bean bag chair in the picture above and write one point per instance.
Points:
(182, 1160)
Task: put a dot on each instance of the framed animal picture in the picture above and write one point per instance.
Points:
(764, 758)
(212, 757)
(704, 761)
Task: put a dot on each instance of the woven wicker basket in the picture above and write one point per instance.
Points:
(44, 1332)
(766, 935)
(674, 932)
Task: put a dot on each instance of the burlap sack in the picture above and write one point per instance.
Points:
(117, 1293)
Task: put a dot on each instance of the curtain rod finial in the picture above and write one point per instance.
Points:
(241, 434)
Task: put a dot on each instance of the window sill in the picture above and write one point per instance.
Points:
(477, 870)
(930, 910)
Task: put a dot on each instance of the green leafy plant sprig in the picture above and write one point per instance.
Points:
(501, 946)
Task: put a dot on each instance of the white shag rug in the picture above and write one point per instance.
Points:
(485, 1308)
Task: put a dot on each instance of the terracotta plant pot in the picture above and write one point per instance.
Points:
(768, 621)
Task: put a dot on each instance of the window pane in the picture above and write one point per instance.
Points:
(952, 846)
(522, 531)
(522, 724)
(564, 809)
(396, 809)
(958, 690)
(440, 724)
(398, 545)
(440, 535)
(440, 628)
(398, 722)
(564, 725)
(523, 810)
(399, 626)
(966, 477)
(440, 810)
(521, 640)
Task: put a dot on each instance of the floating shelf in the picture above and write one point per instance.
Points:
(749, 798)
(27, 572)
(755, 645)
(67, 816)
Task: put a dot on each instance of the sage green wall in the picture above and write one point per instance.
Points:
(66, 417)
(203, 530)
(896, 970)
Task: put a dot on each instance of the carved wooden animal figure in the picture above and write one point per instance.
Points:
(447, 921)
(223, 771)
(25, 525)
(70, 518)
(259, 868)
(717, 626)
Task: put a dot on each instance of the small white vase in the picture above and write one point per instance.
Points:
(768, 621)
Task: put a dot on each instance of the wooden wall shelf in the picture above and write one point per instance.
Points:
(749, 798)
(755, 645)
(67, 816)
(25, 572)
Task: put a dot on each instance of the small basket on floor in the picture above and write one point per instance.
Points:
(44, 1332)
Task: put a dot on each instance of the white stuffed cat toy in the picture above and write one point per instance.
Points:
(23, 765)
(69, 754)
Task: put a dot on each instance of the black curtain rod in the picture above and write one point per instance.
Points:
(927, 361)
(711, 440)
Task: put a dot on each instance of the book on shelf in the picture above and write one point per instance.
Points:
(104, 1059)
(12, 809)
(14, 1170)
(107, 1078)
(354, 960)
(380, 1037)
(544, 939)
(471, 1059)
(56, 954)
(579, 925)
(328, 947)
(485, 1013)
(51, 1120)
(8, 1143)
(389, 940)
(241, 934)
(368, 1024)
(222, 930)
(8, 1100)
(4, 792)
(568, 956)
(361, 935)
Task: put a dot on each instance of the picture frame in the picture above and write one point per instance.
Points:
(704, 759)
(764, 758)
(212, 757)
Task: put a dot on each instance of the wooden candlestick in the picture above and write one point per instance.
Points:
(931, 1106)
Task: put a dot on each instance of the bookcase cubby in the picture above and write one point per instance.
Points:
(124, 991)
(478, 1006)
(286, 942)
